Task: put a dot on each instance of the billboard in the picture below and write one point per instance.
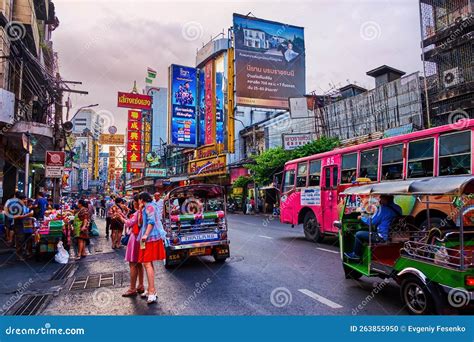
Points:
(134, 140)
(134, 101)
(183, 98)
(219, 67)
(201, 109)
(295, 140)
(209, 100)
(269, 62)
(111, 139)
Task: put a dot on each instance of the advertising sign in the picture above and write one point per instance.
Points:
(294, 140)
(209, 115)
(85, 179)
(311, 196)
(134, 140)
(134, 101)
(270, 62)
(209, 166)
(202, 109)
(155, 172)
(183, 93)
(219, 67)
(112, 139)
(54, 164)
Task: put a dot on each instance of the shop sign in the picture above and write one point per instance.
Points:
(155, 172)
(134, 101)
(208, 166)
(112, 139)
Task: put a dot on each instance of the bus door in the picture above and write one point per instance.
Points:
(329, 197)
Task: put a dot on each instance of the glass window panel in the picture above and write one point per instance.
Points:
(314, 173)
(392, 154)
(455, 165)
(421, 168)
(421, 149)
(289, 180)
(457, 143)
(369, 164)
(349, 161)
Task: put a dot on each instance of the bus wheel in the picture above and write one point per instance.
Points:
(350, 273)
(416, 297)
(311, 228)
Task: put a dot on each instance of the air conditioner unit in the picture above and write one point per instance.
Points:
(452, 77)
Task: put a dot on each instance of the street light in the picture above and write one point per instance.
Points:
(84, 107)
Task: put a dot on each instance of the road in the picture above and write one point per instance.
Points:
(273, 270)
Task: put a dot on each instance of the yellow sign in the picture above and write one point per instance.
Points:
(112, 139)
(238, 191)
(208, 166)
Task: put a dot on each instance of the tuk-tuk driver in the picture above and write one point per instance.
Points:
(383, 218)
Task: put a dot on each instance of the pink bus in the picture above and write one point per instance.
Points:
(311, 185)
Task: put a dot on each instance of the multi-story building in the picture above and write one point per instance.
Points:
(447, 43)
(28, 88)
(87, 118)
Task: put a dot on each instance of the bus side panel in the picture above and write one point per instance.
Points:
(289, 207)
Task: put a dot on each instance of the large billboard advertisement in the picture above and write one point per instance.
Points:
(219, 67)
(269, 62)
(202, 108)
(183, 93)
(209, 100)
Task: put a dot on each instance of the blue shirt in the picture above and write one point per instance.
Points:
(383, 218)
(42, 204)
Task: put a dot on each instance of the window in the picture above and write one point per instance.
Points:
(455, 154)
(349, 166)
(302, 175)
(289, 180)
(327, 178)
(334, 176)
(314, 173)
(420, 158)
(369, 161)
(392, 162)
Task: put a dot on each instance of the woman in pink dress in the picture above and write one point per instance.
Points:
(131, 254)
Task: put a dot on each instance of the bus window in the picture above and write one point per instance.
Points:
(349, 166)
(392, 162)
(369, 162)
(314, 173)
(420, 158)
(327, 178)
(334, 176)
(302, 175)
(455, 154)
(289, 181)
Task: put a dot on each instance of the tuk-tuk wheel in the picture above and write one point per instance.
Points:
(416, 297)
(351, 273)
(311, 228)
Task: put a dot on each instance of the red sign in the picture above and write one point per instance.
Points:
(210, 114)
(134, 140)
(136, 101)
(55, 158)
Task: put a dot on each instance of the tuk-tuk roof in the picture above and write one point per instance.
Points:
(446, 185)
(205, 190)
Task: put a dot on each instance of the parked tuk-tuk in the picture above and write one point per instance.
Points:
(433, 265)
(196, 224)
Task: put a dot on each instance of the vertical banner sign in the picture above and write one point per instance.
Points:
(269, 62)
(111, 168)
(202, 109)
(134, 139)
(219, 67)
(210, 115)
(183, 100)
(85, 179)
(230, 122)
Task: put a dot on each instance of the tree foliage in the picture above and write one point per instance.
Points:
(241, 182)
(272, 160)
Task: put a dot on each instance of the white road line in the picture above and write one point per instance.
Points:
(320, 299)
(327, 250)
(265, 237)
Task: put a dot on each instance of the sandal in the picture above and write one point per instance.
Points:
(130, 293)
(144, 294)
(152, 298)
(140, 289)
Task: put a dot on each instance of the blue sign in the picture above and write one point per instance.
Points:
(202, 108)
(183, 106)
(219, 108)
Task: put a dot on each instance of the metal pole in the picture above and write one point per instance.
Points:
(461, 239)
(427, 102)
(27, 165)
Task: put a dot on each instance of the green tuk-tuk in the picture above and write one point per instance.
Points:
(434, 264)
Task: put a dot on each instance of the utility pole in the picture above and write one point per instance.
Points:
(58, 136)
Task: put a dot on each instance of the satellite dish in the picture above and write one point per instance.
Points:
(68, 126)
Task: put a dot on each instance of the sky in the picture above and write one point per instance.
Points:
(108, 44)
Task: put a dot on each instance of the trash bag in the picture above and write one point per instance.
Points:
(62, 256)
(95, 229)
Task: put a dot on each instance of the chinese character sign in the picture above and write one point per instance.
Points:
(134, 139)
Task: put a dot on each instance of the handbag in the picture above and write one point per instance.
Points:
(124, 240)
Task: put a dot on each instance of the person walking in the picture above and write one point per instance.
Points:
(40, 205)
(132, 251)
(81, 228)
(108, 205)
(117, 213)
(21, 213)
(151, 237)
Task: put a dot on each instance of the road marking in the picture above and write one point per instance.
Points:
(320, 299)
(327, 250)
(265, 237)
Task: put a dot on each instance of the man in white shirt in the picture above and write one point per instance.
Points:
(159, 204)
